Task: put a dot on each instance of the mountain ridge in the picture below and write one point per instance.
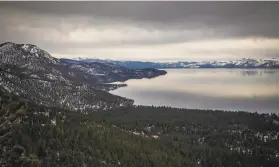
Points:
(34, 74)
(52, 120)
(241, 63)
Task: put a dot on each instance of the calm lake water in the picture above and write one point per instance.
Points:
(227, 89)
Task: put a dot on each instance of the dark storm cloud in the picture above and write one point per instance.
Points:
(247, 18)
(54, 25)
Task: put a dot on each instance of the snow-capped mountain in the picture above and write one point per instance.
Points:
(32, 73)
(242, 63)
(107, 71)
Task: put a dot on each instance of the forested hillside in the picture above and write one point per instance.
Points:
(34, 74)
(55, 113)
(33, 135)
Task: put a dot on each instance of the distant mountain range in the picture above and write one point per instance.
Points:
(242, 63)
(83, 84)
(34, 74)
(57, 112)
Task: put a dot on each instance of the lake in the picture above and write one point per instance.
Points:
(253, 90)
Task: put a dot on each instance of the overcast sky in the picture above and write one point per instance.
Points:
(148, 31)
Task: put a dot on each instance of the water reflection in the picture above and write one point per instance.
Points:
(258, 72)
(227, 89)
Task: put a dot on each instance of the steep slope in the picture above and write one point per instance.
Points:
(58, 94)
(37, 63)
(32, 73)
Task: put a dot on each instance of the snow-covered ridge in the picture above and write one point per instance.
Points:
(23, 53)
(35, 51)
(241, 63)
(31, 72)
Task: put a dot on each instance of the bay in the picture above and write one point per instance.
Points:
(253, 90)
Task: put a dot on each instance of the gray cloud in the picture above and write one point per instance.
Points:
(82, 25)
